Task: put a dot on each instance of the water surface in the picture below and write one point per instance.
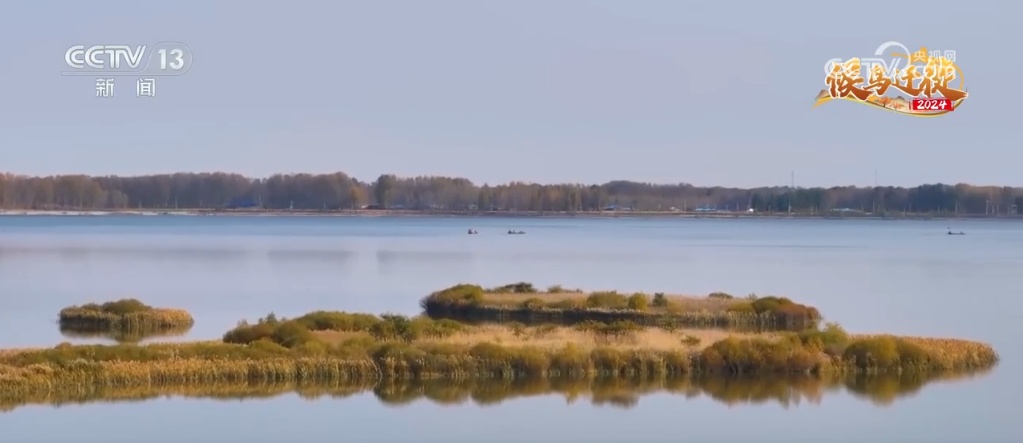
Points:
(904, 277)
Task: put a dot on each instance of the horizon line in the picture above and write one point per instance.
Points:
(790, 184)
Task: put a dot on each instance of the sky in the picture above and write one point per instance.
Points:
(704, 92)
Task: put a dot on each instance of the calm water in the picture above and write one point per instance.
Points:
(904, 277)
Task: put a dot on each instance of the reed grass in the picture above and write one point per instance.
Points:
(338, 327)
(521, 302)
(338, 348)
(393, 347)
(126, 317)
(622, 392)
(713, 351)
(586, 336)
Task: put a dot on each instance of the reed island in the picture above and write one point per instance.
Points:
(513, 332)
(522, 302)
(127, 320)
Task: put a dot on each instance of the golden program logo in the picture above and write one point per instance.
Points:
(925, 83)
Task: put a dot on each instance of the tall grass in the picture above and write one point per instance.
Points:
(344, 327)
(287, 351)
(623, 392)
(126, 316)
(813, 350)
(299, 331)
(522, 303)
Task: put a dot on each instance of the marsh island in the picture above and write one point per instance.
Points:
(467, 333)
(125, 320)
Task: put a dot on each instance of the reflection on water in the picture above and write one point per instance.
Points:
(89, 251)
(421, 257)
(123, 336)
(617, 392)
(870, 276)
(780, 245)
(310, 255)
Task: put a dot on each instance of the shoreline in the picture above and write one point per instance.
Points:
(408, 213)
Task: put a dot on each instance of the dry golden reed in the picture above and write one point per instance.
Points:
(300, 356)
(553, 336)
(128, 317)
(708, 351)
(523, 303)
(346, 349)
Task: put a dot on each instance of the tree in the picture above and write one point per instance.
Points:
(357, 196)
(383, 187)
(338, 190)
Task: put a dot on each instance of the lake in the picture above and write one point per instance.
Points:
(903, 277)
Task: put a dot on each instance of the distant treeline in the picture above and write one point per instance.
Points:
(339, 191)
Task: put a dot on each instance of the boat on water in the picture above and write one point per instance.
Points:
(516, 232)
(473, 231)
(956, 233)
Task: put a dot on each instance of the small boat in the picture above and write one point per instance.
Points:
(516, 232)
(473, 231)
(956, 233)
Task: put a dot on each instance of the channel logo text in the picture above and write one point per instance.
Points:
(165, 58)
(103, 56)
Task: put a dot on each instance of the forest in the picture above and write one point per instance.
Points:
(339, 191)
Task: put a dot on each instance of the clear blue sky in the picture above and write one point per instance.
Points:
(710, 92)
